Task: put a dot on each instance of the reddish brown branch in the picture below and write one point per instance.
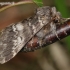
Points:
(62, 31)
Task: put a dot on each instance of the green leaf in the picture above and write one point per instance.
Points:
(39, 2)
(60, 4)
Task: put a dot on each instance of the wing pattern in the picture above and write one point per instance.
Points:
(14, 37)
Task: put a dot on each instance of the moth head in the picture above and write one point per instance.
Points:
(56, 16)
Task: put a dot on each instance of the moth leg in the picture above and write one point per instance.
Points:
(53, 29)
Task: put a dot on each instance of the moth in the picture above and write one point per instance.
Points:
(16, 36)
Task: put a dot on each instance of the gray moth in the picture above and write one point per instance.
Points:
(14, 37)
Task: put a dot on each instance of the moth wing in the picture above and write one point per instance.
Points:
(12, 39)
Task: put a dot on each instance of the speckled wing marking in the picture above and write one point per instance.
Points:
(14, 37)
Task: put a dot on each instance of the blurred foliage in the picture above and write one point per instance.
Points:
(61, 6)
(39, 2)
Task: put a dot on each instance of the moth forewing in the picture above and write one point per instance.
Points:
(14, 37)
